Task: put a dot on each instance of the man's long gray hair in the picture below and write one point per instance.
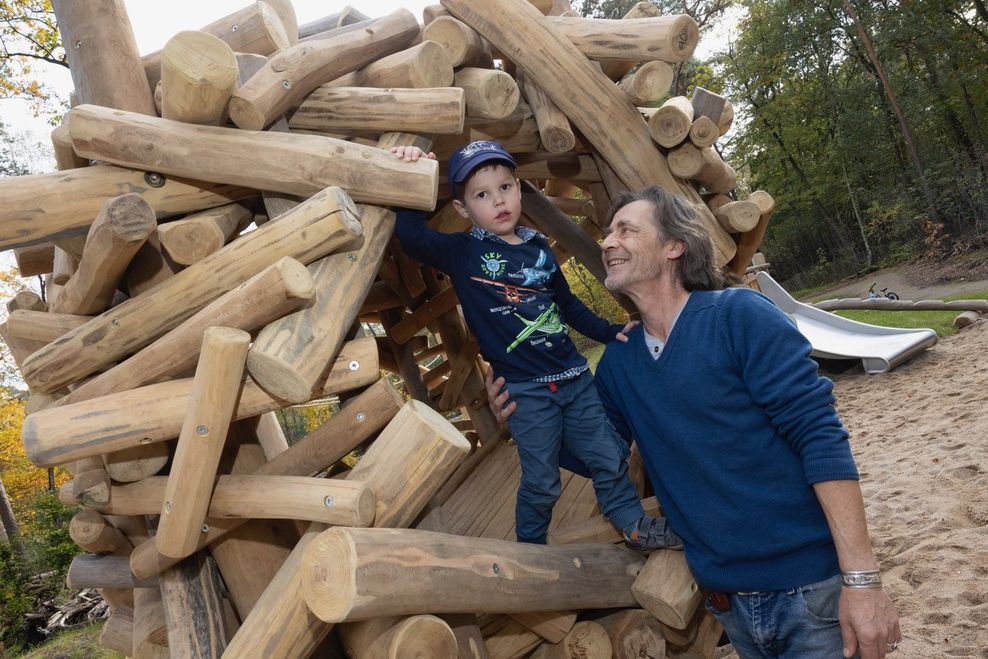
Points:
(677, 220)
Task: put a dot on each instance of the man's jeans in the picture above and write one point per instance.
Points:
(800, 623)
(570, 418)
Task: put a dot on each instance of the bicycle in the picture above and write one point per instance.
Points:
(885, 293)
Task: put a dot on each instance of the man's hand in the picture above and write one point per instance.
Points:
(411, 153)
(498, 399)
(869, 624)
(622, 336)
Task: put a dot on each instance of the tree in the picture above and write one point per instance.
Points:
(28, 37)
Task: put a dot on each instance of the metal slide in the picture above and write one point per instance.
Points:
(880, 349)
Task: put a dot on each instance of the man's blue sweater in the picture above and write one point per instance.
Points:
(514, 298)
(734, 425)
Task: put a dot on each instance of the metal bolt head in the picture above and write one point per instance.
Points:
(328, 501)
(361, 417)
(168, 506)
(202, 430)
(352, 258)
(353, 365)
(496, 568)
(154, 179)
(287, 84)
(78, 45)
(234, 28)
(145, 440)
(205, 528)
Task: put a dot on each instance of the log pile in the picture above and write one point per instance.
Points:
(217, 245)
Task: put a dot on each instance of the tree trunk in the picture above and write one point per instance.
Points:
(8, 523)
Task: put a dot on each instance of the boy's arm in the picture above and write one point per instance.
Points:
(577, 315)
(424, 244)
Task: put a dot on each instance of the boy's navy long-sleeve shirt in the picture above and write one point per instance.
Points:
(515, 299)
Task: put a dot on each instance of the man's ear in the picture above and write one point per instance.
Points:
(461, 209)
(675, 249)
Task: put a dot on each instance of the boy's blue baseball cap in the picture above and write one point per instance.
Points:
(471, 156)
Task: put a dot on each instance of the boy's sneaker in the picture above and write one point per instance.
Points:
(650, 533)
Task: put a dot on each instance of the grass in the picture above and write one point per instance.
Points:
(939, 321)
(82, 643)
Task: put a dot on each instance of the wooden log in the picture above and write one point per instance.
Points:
(118, 631)
(966, 319)
(553, 222)
(555, 131)
(197, 236)
(122, 226)
(633, 634)
(154, 413)
(344, 109)
(316, 161)
(422, 66)
(389, 638)
(91, 485)
(670, 124)
(518, 133)
(597, 528)
(648, 83)
(432, 12)
(63, 265)
(289, 356)
(752, 240)
(666, 589)
(346, 16)
(198, 76)
(20, 349)
(137, 462)
(469, 640)
(738, 216)
(61, 142)
(726, 118)
(553, 626)
(707, 104)
(63, 204)
(27, 301)
(506, 639)
(579, 89)
(97, 571)
(278, 289)
(100, 46)
(257, 28)
(586, 640)
(193, 605)
(666, 38)
(902, 305)
(200, 443)
(405, 465)
(93, 533)
(149, 267)
(703, 132)
(715, 175)
(35, 260)
(616, 69)
(463, 45)
(289, 21)
(294, 72)
(344, 573)
(431, 309)
(150, 628)
(490, 94)
(708, 634)
(324, 222)
(685, 160)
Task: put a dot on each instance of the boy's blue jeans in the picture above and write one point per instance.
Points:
(799, 623)
(569, 419)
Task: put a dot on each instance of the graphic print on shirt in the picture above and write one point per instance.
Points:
(536, 275)
(548, 323)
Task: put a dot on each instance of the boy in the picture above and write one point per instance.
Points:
(515, 300)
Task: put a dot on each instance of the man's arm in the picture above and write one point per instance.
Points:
(869, 623)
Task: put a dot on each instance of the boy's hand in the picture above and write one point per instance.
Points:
(411, 153)
(622, 336)
(497, 397)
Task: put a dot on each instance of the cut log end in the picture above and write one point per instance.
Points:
(130, 217)
(246, 114)
(297, 278)
(329, 575)
(278, 377)
(425, 636)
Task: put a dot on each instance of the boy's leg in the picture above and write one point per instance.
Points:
(537, 428)
(588, 435)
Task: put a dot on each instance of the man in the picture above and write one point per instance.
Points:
(741, 443)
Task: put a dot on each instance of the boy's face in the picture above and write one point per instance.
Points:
(492, 201)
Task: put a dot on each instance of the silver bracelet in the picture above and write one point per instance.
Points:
(862, 579)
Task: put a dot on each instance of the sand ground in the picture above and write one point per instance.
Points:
(920, 437)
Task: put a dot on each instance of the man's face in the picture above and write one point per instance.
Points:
(633, 250)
